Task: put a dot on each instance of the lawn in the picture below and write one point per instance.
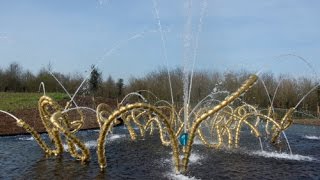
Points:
(16, 101)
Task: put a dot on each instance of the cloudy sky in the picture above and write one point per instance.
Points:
(123, 36)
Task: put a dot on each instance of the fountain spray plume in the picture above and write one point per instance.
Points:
(78, 108)
(211, 96)
(108, 53)
(303, 60)
(267, 93)
(195, 53)
(276, 91)
(65, 90)
(314, 73)
(308, 65)
(43, 88)
(84, 80)
(272, 108)
(164, 47)
(187, 46)
(11, 115)
(314, 88)
(149, 92)
(133, 94)
(119, 44)
(280, 57)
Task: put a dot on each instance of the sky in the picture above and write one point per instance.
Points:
(124, 39)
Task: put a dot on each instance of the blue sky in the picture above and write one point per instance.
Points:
(123, 35)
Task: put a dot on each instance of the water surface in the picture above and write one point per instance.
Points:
(21, 158)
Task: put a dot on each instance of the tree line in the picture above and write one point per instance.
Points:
(15, 79)
(289, 89)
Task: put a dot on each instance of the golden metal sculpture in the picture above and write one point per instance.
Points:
(228, 122)
(222, 122)
(125, 109)
(246, 86)
(55, 123)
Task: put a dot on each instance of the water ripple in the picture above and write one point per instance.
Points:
(276, 155)
(26, 138)
(93, 143)
(180, 177)
(312, 137)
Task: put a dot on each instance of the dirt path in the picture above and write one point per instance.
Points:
(8, 125)
(311, 122)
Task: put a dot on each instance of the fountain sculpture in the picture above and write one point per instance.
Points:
(223, 121)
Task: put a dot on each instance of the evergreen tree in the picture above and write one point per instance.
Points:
(95, 80)
(120, 87)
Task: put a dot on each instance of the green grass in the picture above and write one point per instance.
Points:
(17, 101)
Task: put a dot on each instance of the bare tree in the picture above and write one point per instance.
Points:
(12, 77)
(1, 79)
(109, 87)
(28, 82)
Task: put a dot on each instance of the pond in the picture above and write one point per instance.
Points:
(22, 158)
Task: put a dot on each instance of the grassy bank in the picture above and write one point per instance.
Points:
(13, 102)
